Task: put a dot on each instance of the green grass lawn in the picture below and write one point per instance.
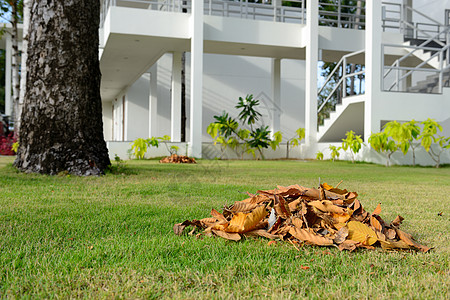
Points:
(111, 236)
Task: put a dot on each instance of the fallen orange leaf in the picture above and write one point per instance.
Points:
(241, 222)
(377, 210)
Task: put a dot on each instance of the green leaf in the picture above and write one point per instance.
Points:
(249, 114)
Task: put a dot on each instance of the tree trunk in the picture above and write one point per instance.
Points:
(183, 97)
(15, 65)
(62, 126)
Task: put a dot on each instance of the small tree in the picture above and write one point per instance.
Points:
(319, 155)
(295, 140)
(404, 135)
(383, 143)
(334, 152)
(140, 146)
(226, 130)
(276, 140)
(353, 143)
(428, 137)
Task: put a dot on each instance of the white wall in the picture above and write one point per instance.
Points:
(226, 78)
(137, 104)
(107, 120)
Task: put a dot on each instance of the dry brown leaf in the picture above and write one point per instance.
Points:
(341, 235)
(227, 235)
(360, 232)
(177, 159)
(390, 233)
(293, 206)
(243, 206)
(297, 222)
(329, 188)
(307, 236)
(281, 207)
(304, 267)
(350, 198)
(290, 191)
(341, 218)
(380, 236)
(257, 199)
(389, 245)
(327, 206)
(220, 226)
(376, 224)
(271, 243)
(397, 221)
(241, 222)
(348, 245)
(218, 215)
(206, 222)
(377, 210)
(407, 238)
(281, 231)
(178, 228)
(338, 202)
(261, 233)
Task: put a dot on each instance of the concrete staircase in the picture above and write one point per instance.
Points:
(431, 84)
(424, 55)
(347, 116)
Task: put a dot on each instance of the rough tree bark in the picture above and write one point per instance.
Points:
(62, 126)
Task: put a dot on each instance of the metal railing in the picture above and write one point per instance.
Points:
(433, 36)
(341, 85)
(398, 17)
(293, 11)
(402, 73)
(336, 14)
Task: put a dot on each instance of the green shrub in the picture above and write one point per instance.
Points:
(352, 143)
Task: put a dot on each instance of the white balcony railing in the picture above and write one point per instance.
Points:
(293, 11)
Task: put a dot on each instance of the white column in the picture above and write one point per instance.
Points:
(276, 95)
(196, 23)
(175, 132)
(312, 57)
(8, 76)
(153, 102)
(373, 67)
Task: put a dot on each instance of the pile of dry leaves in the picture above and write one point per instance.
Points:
(324, 217)
(178, 159)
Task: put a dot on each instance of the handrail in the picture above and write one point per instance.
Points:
(277, 11)
(342, 63)
(420, 47)
(399, 10)
(336, 87)
(418, 67)
(337, 66)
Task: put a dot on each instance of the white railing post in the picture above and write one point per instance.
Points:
(339, 14)
(441, 70)
(397, 76)
(382, 76)
(275, 10)
(303, 11)
(344, 77)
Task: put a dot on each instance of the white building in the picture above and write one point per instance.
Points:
(271, 49)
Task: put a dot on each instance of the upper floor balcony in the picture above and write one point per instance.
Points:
(334, 14)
